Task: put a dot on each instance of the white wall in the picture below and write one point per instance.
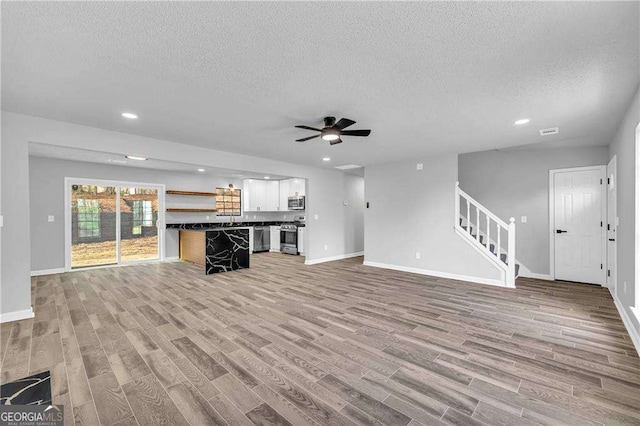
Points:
(413, 211)
(325, 189)
(624, 148)
(515, 183)
(15, 284)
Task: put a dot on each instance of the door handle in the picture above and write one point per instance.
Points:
(560, 231)
(612, 239)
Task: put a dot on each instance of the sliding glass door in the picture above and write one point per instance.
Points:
(112, 223)
(138, 230)
(93, 230)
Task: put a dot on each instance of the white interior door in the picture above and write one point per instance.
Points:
(612, 224)
(578, 225)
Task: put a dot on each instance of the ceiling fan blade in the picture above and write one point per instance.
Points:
(344, 123)
(307, 138)
(356, 132)
(335, 141)
(308, 128)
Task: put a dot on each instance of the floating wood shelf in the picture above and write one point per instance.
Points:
(192, 193)
(192, 210)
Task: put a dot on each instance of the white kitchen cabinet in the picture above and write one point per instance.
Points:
(261, 195)
(272, 196)
(275, 239)
(285, 186)
(301, 241)
(250, 239)
(297, 187)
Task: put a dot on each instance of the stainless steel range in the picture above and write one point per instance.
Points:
(289, 236)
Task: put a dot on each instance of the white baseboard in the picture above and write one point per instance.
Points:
(477, 280)
(332, 258)
(16, 316)
(545, 277)
(47, 272)
(171, 259)
(635, 335)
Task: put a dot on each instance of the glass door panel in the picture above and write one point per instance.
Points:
(93, 225)
(138, 230)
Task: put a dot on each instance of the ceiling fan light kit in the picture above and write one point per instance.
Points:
(332, 130)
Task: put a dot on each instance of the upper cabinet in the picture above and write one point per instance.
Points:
(271, 195)
(296, 188)
(261, 195)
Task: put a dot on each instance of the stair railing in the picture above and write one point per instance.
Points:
(492, 227)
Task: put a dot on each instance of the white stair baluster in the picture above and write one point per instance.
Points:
(477, 223)
(468, 217)
(488, 233)
(498, 246)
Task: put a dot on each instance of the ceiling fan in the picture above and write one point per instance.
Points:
(332, 130)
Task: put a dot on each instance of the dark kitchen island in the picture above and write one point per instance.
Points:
(216, 249)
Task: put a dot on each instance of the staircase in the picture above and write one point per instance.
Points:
(488, 234)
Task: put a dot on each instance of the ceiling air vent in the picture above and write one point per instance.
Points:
(549, 131)
(348, 167)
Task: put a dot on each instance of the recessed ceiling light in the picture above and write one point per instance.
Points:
(129, 115)
(201, 170)
(326, 159)
(267, 177)
(133, 157)
(521, 121)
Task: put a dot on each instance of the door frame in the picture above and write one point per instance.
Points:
(160, 223)
(552, 216)
(612, 280)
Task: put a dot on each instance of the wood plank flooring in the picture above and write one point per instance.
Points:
(339, 343)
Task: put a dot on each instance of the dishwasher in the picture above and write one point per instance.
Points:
(261, 239)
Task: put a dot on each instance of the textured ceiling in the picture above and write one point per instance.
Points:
(427, 77)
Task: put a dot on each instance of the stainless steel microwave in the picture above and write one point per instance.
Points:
(296, 203)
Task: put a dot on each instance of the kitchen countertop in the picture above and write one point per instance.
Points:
(222, 225)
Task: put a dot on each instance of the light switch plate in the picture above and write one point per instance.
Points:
(316, 217)
(417, 255)
(345, 202)
(523, 219)
(1, 221)
(419, 166)
(50, 218)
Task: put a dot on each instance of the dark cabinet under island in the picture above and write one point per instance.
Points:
(216, 249)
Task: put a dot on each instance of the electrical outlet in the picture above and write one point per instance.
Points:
(208, 217)
(254, 216)
(316, 217)
(419, 166)
(523, 219)
(50, 218)
(417, 255)
(326, 247)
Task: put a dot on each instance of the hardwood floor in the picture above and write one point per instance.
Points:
(337, 343)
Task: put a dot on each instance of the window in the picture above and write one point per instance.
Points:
(142, 215)
(88, 219)
(228, 202)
